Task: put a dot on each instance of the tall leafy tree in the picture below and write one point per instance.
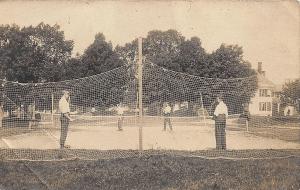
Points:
(227, 62)
(162, 48)
(100, 90)
(192, 57)
(128, 52)
(74, 69)
(291, 93)
(170, 50)
(100, 57)
(33, 54)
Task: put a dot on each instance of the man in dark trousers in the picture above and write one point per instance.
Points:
(64, 108)
(120, 111)
(220, 115)
(167, 113)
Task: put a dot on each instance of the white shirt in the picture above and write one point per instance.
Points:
(64, 105)
(176, 107)
(221, 109)
(167, 109)
(120, 110)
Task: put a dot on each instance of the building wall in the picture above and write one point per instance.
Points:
(256, 103)
(263, 101)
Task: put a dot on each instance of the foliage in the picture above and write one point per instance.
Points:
(41, 54)
(33, 54)
(170, 50)
(291, 93)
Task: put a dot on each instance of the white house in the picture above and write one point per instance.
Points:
(262, 103)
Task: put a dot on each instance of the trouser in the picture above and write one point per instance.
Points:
(220, 133)
(120, 123)
(63, 130)
(167, 119)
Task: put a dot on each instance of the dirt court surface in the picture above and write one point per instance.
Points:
(103, 158)
(251, 169)
(181, 138)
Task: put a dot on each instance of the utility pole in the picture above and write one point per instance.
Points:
(140, 95)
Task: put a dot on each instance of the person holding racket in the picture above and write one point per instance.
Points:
(64, 108)
(120, 111)
(220, 116)
(167, 113)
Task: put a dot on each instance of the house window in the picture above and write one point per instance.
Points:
(262, 106)
(268, 106)
(265, 106)
(263, 92)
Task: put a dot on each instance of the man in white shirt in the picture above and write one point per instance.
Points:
(167, 113)
(1, 113)
(220, 115)
(64, 108)
(120, 111)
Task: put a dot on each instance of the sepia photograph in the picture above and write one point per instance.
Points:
(171, 95)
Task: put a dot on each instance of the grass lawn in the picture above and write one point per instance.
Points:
(291, 134)
(158, 170)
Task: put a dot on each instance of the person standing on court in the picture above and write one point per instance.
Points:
(120, 111)
(1, 113)
(167, 113)
(220, 115)
(64, 108)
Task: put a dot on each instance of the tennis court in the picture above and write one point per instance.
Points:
(102, 134)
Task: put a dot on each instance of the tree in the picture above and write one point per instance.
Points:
(162, 48)
(100, 57)
(227, 62)
(170, 50)
(33, 54)
(159, 47)
(101, 90)
(291, 94)
(192, 58)
(128, 52)
(71, 68)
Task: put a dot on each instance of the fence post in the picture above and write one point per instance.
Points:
(203, 111)
(52, 109)
(140, 96)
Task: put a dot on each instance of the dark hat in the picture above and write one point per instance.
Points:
(220, 96)
(66, 92)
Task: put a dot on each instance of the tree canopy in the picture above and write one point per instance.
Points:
(33, 54)
(291, 93)
(41, 54)
(97, 58)
(170, 50)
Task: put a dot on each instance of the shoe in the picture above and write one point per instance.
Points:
(65, 147)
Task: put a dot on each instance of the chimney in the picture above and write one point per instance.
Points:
(259, 69)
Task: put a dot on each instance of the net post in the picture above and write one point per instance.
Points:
(203, 112)
(52, 109)
(140, 94)
(33, 113)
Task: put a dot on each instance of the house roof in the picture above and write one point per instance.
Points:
(264, 82)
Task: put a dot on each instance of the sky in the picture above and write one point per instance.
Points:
(268, 31)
